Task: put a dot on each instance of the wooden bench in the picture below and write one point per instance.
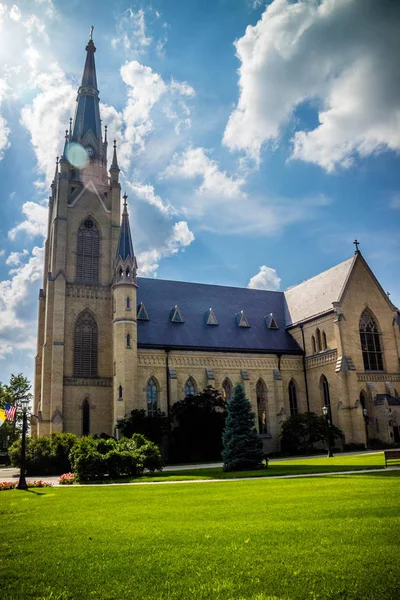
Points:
(391, 455)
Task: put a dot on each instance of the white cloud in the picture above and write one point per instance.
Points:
(47, 117)
(341, 54)
(195, 162)
(180, 238)
(147, 193)
(145, 88)
(35, 222)
(266, 279)
(132, 32)
(4, 129)
(15, 13)
(17, 329)
(15, 258)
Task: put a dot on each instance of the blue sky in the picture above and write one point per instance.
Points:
(256, 139)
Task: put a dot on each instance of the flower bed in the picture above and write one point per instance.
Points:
(7, 485)
(67, 479)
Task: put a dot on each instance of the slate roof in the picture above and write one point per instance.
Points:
(391, 400)
(194, 300)
(315, 296)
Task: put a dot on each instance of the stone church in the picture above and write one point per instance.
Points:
(109, 341)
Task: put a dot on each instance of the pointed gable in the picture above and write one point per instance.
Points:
(142, 313)
(211, 319)
(176, 316)
(315, 296)
(270, 321)
(241, 319)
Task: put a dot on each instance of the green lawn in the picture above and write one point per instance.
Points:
(288, 467)
(322, 538)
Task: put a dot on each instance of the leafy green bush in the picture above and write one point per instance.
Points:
(44, 456)
(93, 459)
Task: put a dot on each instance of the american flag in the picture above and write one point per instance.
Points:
(10, 412)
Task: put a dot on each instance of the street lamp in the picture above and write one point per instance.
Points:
(325, 411)
(22, 485)
(366, 422)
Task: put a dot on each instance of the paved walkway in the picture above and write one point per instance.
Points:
(8, 474)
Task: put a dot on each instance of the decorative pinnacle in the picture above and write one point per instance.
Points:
(91, 33)
(70, 128)
(115, 144)
(105, 134)
(114, 164)
(356, 243)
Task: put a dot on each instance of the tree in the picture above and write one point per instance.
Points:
(298, 431)
(243, 449)
(154, 428)
(18, 389)
(198, 424)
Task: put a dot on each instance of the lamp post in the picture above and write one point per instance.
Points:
(22, 485)
(366, 422)
(325, 411)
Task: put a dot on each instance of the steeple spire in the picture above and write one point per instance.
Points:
(114, 164)
(125, 246)
(87, 114)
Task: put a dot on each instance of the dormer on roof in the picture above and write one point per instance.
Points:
(176, 316)
(142, 314)
(241, 319)
(270, 321)
(211, 319)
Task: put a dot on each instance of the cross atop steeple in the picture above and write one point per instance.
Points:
(356, 243)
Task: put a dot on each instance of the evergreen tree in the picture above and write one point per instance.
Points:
(243, 449)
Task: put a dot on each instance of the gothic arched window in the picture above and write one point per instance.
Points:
(128, 340)
(324, 342)
(325, 391)
(293, 398)
(87, 253)
(152, 394)
(85, 346)
(318, 338)
(261, 393)
(227, 390)
(314, 348)
(190, 388)
(86, 417)
(370, 343)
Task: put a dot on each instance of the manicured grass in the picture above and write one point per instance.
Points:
(290, 467)
(319, 538)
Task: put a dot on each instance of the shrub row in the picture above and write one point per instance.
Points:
(88, 457)
(45, 455)
(93, 459)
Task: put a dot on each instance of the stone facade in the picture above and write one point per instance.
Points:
(329, 337)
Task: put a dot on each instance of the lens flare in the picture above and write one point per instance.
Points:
(76, 155)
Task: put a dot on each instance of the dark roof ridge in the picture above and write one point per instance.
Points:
(233, 287)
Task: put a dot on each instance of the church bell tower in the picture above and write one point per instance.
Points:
(89, 280)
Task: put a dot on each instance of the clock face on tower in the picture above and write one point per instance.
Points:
(89, 151)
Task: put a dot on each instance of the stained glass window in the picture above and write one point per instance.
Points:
(190, 389)
(152, 397)
(370, 343)
(293, 398)
(88, 251)
(85, 346)
(261, 393)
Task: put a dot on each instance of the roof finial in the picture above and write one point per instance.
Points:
(70, 128)
(64, 155)
(114, 164)
(356, 243)
(105, 134)
(91, 33)
(125, 197)
(388, 294)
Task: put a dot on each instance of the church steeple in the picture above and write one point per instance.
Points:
(125, 260)
(87, 114)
